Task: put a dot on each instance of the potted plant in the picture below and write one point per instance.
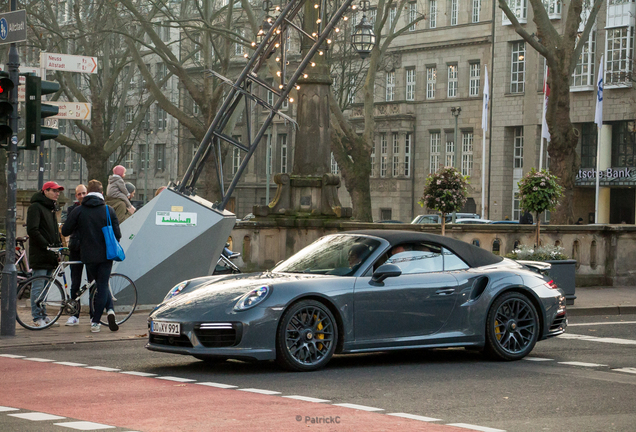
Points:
(561, 270)
(445, 191)
(539, 192)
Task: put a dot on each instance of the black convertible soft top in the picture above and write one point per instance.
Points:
(473, 256)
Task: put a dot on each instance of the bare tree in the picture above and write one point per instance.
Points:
(562, 52)
(351, 150)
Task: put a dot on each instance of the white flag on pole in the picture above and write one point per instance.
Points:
(484, 113)
(598, 118)
(545, 133)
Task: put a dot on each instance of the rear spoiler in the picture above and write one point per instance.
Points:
(536, 266)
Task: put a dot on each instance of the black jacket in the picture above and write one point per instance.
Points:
(43, 232)
(88, 220)
(73, 241)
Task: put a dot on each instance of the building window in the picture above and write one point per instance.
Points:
(450, 149)
(270, 97)
(467, 153)
(410, 84)
(476, 10)
(162, 71)
(412, 14)
(453, 18)
(160, 157)
(432, 14)
(21, 161)
(197, 47)
(452, 80)
(129, 114)
(518, 67)
(396, 154)
(623, 144)
(390, 85)
(352, 90)
(516, 206)
(435, 151)
(408, 143)
(589, 137)
(142, 157)
(519, 9)
(162, 118)
(431, 80)
(47, 159)
(518, 143)
(283, 153)
(236, 159)
(76, 162)
(373, 160)
(33, 160)
(334, 165)
(553, 8)
(384, 154)
(238, 46)
(61, 159)
(475, 78)
(392, 14)
(583, 75)
(129, 159)
(165, 31)
(619, 60)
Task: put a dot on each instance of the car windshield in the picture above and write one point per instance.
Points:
(339, 255)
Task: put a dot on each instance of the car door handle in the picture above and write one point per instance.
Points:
(446, 291)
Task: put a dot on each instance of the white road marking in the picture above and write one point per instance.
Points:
(5, 409)
(307, 399)
(537, 359)
(176, 379)
(598, 339)
(415, 417)
(141, 374)
(103, 368)
(477, 428)
(11, 356)
(265, 392)
(601, 323)
(84, 425)
(359, 407)
(218, 385)
(574, 363)
(70, 364)
(36, 359)
(626, 370)
(37, 416)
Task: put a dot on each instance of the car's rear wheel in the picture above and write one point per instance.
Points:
(307, 336)
(512, 328)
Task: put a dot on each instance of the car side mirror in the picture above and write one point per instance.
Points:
(386, 271)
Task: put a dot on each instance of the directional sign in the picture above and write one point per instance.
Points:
(68, 63)
(72, 110)
(13, 27)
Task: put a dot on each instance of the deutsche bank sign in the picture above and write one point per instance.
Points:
(608, 174)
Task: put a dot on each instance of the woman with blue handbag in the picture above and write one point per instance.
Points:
(98, 229)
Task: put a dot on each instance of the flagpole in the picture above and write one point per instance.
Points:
(598, 119)
(543, 108)
(484, 128)
(598, 168)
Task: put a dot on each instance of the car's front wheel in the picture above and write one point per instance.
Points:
(307, 336)
(512, 328)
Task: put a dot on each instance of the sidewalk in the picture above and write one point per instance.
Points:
(589, 302)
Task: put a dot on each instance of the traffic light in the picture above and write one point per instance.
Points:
(36, 111)
(6, 107)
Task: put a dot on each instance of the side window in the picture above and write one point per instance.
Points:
(452, 261)
(417, 258)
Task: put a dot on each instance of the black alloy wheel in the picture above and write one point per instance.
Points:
(512, 328)
(307, 336)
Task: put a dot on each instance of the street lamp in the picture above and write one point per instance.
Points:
(456, 111)
(363, 38)
(148, 131)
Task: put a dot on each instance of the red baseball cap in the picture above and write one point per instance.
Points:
(51, 185)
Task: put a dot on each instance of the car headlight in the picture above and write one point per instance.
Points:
(252, 298)
(176, 290)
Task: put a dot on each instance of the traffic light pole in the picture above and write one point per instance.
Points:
(9, 274)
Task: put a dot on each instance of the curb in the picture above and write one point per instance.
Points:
(602, 310)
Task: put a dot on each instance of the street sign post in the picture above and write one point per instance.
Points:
(72, 110)
(13, 27)
(68, 63)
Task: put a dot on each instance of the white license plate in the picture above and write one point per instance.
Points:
(167, 328)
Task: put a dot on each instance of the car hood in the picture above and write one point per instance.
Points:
(219, 294)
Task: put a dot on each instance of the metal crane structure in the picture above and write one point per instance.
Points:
(271, 38)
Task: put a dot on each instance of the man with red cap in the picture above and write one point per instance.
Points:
(42, 228)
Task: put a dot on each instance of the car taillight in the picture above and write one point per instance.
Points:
(551, 284)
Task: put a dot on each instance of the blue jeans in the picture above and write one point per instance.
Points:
(100, 272)
(36, 290)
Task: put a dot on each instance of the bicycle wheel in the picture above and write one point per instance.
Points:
(52, 299)
(124, 294)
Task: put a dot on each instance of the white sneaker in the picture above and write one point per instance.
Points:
(95, 327)
(72, 321)
(39, 323)
(48, 320)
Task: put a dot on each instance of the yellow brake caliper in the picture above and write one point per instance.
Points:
(320, 335)
(497, 330)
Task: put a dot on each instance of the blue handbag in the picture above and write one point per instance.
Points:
(114, 251)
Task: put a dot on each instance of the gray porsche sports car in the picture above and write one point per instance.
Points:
(363, 291)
